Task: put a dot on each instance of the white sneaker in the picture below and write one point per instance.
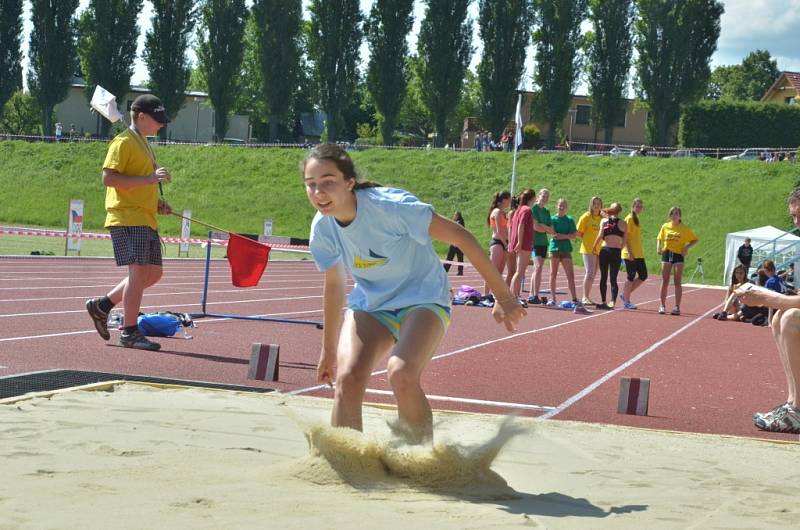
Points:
(661, 310)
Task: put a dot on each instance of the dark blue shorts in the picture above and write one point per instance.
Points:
(668, 256)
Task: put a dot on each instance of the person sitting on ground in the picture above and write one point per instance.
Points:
(786, 332)
(732, 306)
(561, 253)
(774, 282)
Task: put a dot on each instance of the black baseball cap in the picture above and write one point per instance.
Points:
(149, 104)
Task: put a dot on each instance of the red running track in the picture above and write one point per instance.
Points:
(706, 376)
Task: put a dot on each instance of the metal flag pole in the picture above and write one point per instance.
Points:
(517, 142)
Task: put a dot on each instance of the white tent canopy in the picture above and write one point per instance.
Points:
(768, 242)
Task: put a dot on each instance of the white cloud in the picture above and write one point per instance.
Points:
(749, 25)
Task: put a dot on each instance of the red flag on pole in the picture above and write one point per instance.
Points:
(248, 259)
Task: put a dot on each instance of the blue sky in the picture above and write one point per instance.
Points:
(747, 25)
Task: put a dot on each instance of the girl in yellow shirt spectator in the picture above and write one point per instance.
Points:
(634, 259)
(673, 244)
(588, 227)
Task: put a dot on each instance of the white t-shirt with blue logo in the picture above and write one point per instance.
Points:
(386, 249)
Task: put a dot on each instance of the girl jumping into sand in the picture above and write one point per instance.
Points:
(400, 301)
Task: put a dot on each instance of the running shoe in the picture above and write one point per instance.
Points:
(603, 306)
(628, 305)
(135, 339)
(785, 420)
(523, 303)
(587, 301)
(534, 300)
(580, 309)
(550, 303)
(765, 417)
(99, 317)
(675, 311)
(661, 310)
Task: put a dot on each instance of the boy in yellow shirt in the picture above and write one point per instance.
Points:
(132, 179)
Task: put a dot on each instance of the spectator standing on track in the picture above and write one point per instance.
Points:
(745, 254)
(520, 240)
(564, 231)
(588, 228)
(132, 177)
(453, 251)
(786, 332)
(672, 244)
(541, 227)
(614, 236)
(401, 299)
(498, 244)
(633, 254)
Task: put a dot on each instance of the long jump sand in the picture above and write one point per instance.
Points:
(142, 457)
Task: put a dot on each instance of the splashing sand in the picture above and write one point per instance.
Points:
(343, 456)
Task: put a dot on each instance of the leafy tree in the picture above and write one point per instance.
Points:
(333, 47)
(219, 53)
(414, 117)
(744, 82)
(249, 97)
(52, 54)
(386, 29)
(505, 32)
(10, 54)
(609, 56)
(107, 33)
(470, 104)
(675, 40)
(165, 52)
(444, 46)
(21, 114)
(557, 40)
(278, 25)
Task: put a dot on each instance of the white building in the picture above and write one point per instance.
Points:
(194, 122)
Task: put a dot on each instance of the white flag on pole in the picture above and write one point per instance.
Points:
(105, 103)
(518, 118)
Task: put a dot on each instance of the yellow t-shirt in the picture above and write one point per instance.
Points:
(675, 237)
(128, 155)
(589, 226)
(634, 239)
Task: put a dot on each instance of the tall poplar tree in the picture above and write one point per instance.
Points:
(52, 54)
(557, 39)
(505, 32)
(278, 24)
(10, 54)
(333, 46)
(387, 28)
(107, 34)
(219, 53)
(165, 48)
(444, 47)
(675, 40)
(609, 55)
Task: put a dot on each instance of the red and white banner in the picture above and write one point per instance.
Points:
(75, 225)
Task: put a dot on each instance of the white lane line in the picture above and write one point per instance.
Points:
(494, 341)
(503, 404)
(641, 355)
(198, 322)
(106, 285)
(282, 299)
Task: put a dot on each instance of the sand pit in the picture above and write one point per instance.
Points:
(143, 457)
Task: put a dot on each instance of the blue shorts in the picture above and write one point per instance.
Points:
(392, 319)
(674, 258)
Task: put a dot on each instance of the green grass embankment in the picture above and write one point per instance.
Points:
(237, 188)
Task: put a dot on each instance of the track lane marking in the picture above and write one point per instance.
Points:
(471, 401)
(608, 375)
